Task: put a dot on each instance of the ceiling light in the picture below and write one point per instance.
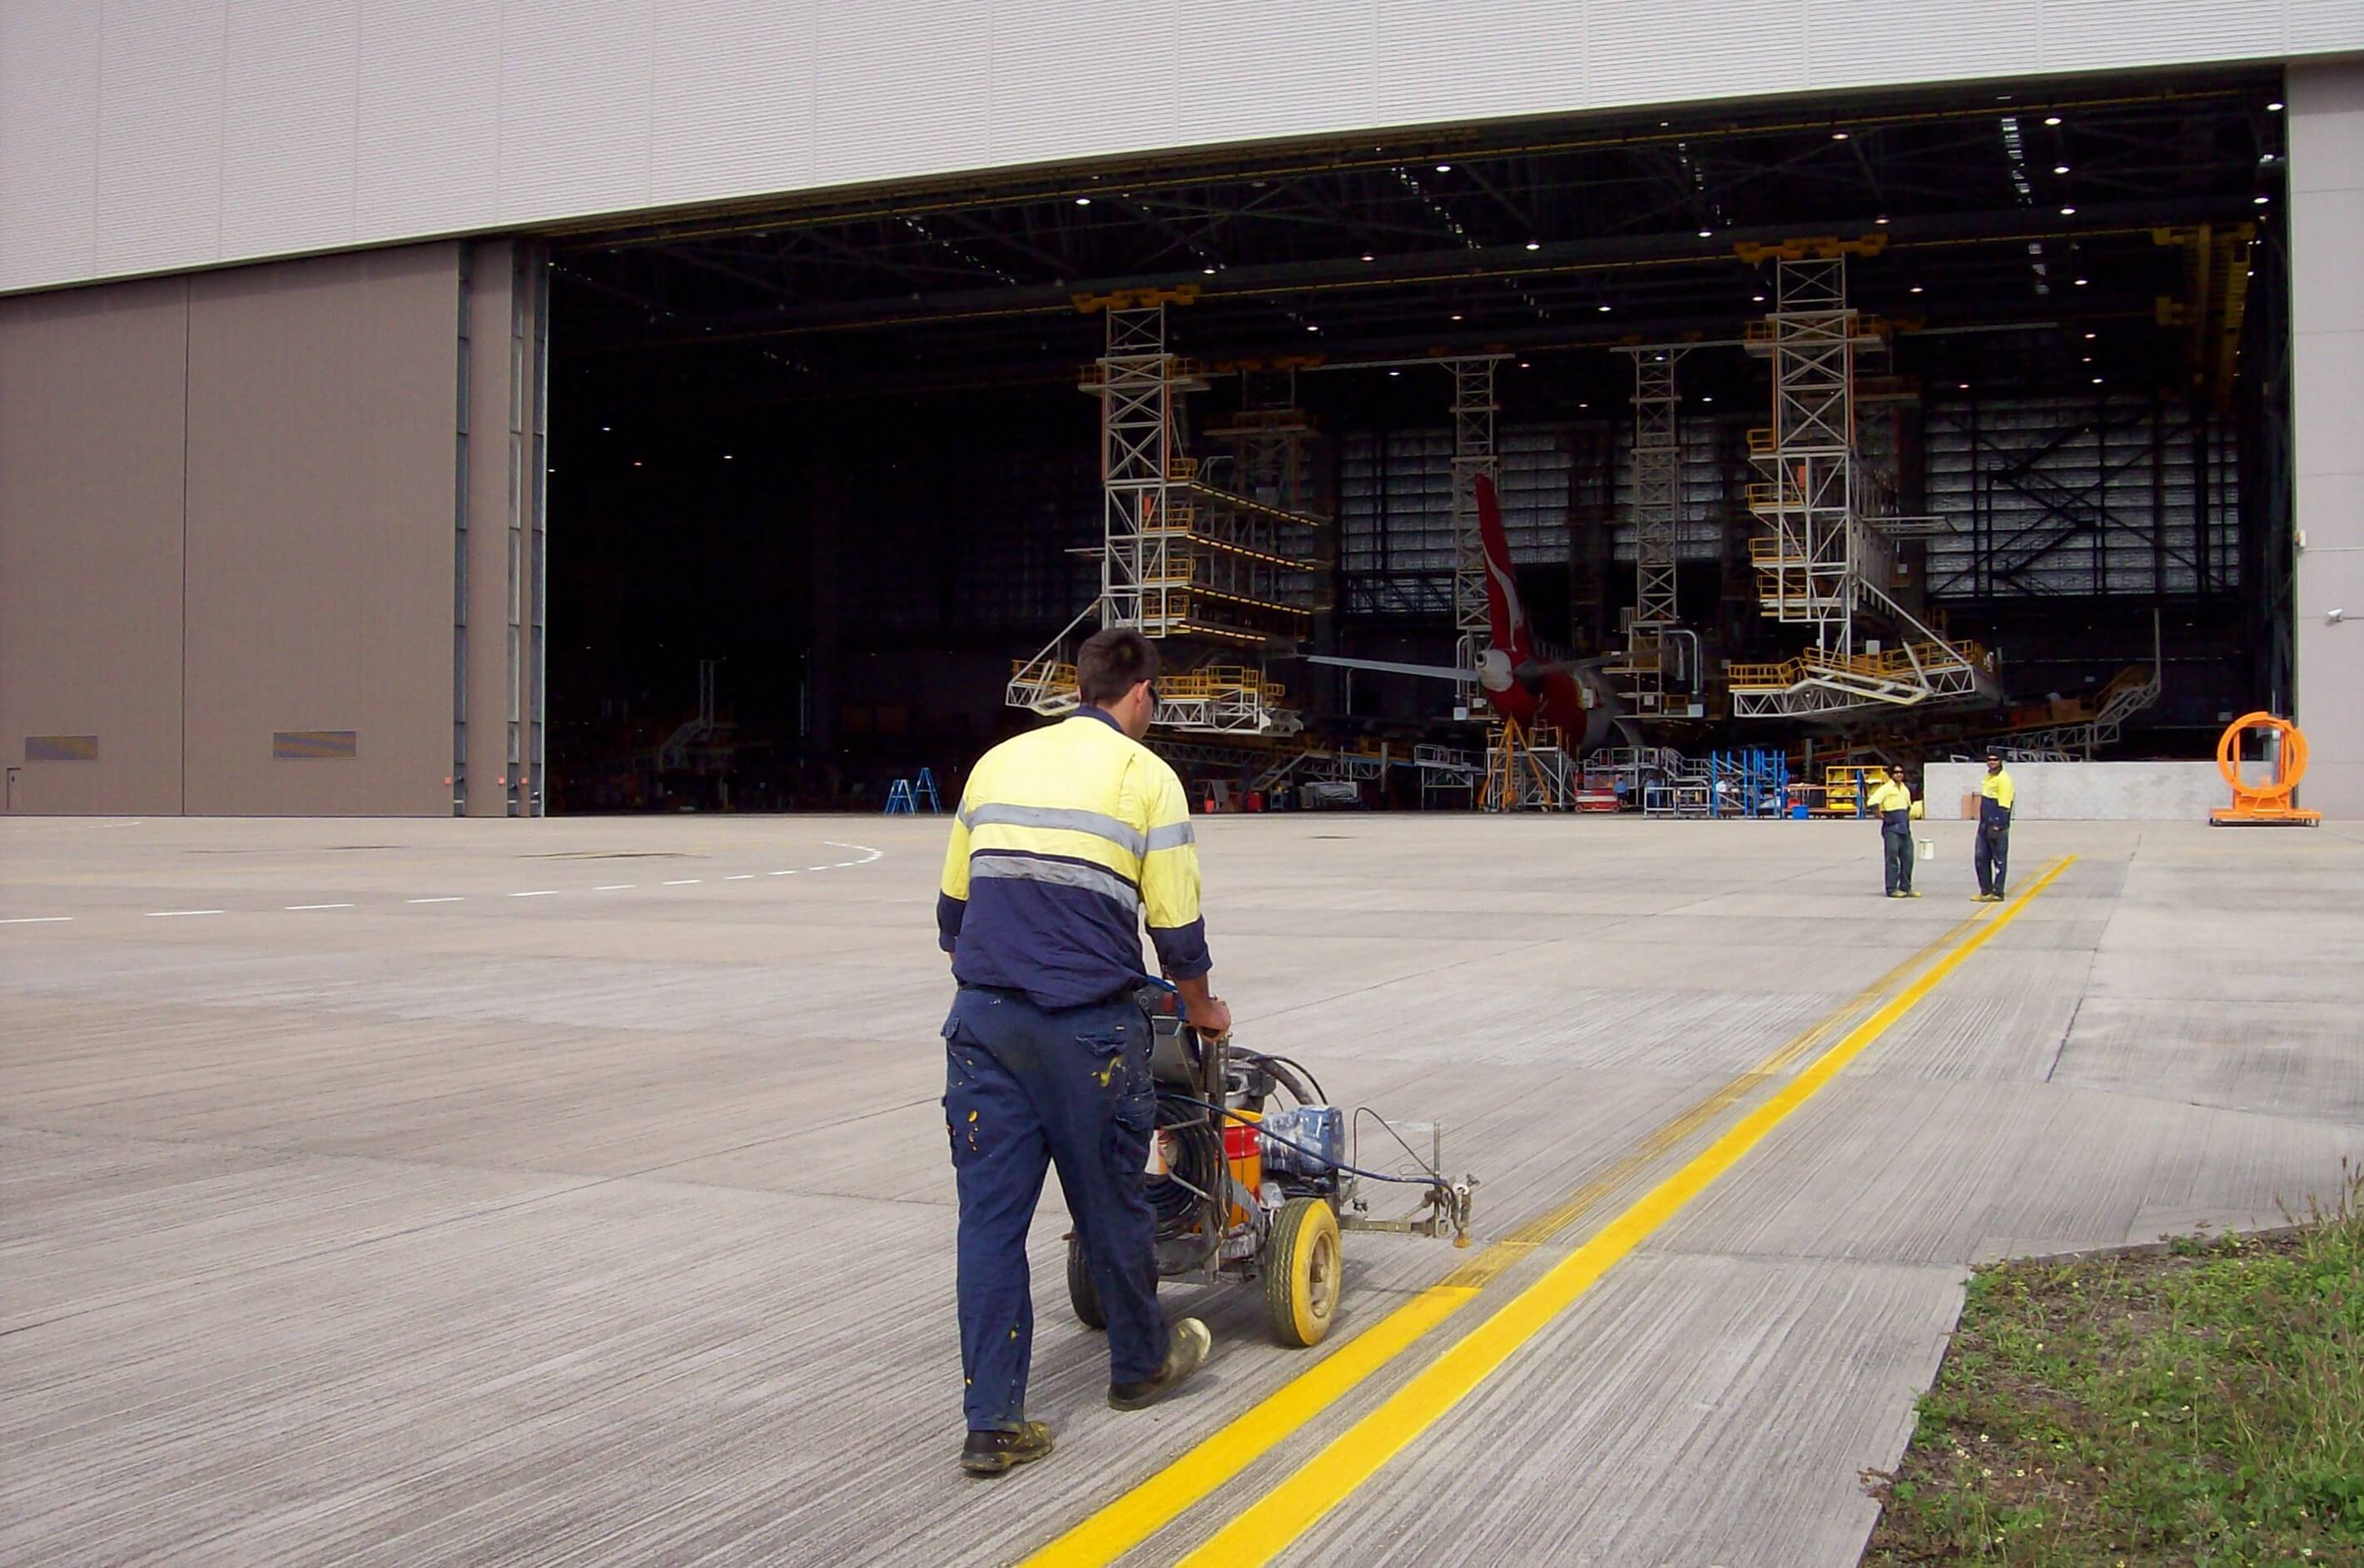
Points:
(2260, 201)
(1456, 316)
(1584, 406)
(1368, 257)
(1916, 288)
(1708, 399)
(2265, 157)
(635, 463)
(2089, 359)
(2090, 335)
(2275, 108)
(1707, 234)
(1881, 219)
(1604, 310)
(1838, 136)
(2060, 168)
(2067, 211)
(1965, 387)
(1524, 366)
(1757, 298)
(2097, 381)
(1311, 328)
(605, 428)
(2080, 283)
(2052, 119)
(726, 456)
(1395, 372)
(1083, 201)
(1534, 244)
(1209, 271)
(1444, 168)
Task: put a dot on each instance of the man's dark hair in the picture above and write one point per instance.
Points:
(1111, 663)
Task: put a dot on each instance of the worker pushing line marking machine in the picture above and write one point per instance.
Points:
(1245, 1193)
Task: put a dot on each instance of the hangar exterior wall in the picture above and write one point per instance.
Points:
(91, 442)
(231, 512)
(2326, 237)
(148, 136)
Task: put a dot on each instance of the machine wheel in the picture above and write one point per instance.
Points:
(1303, 1272)
(1082, 1294)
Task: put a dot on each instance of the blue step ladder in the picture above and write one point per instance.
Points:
(898, 800)
(904, 796)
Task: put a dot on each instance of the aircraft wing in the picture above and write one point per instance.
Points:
(1388, 667)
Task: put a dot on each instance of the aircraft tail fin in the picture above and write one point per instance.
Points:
(1506, 616)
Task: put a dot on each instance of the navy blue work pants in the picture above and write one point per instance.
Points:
(1990, 853)
(1026, 1088)
(1896, 852)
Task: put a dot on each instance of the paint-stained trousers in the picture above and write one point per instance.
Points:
(1896, 850)
(1025, 1089)
(1988, 855)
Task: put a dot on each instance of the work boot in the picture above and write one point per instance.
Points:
(991, 1452)
(1186, 1352)
(1909, 894)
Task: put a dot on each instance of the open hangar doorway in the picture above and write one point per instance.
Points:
(821, 471)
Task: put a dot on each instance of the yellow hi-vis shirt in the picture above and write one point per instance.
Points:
(1996, 793)
(1067, 837)
(1887, 796)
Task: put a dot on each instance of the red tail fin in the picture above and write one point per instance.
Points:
(1506, 618)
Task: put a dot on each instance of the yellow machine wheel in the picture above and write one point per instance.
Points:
(1304, 1271)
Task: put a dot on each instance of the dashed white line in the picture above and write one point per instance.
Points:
(615, 887)
(817, 868)
(39, 921)
(542, 892)
(685, 882)
(316, 906)
(782, 874)
(449, 900)
(176, 913)
(743, 876)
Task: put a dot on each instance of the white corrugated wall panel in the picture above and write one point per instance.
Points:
(290, 100)
(426, 159)
(905, 87)
(160, 134)
(2311, 25)
(733, 100)
(577, 77)
(1648, 51)
(1058, 87)
(1853, 43)
(1519, 57)
(48, 137)
(1260, 69)
(2085, 35)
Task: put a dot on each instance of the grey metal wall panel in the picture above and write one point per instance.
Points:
(2088, 34)
(1058, 86)
(732, 96)
(322, 399)
(429, 122)
(160, 136)
(1276, 69)
(474, 114)
(1435, 58)
(1882, 40)
(577, 79)
(905, 87)
(291, 94)
(90, 442)
(1646, 51)
(2326, 235)
(50, 52)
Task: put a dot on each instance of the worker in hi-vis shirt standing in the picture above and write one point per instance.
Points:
(1996, 793)
(1066, 839)
(1893, 803)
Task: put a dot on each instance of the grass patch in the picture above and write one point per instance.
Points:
(2200, 1406)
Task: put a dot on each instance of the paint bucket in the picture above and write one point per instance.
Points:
(1926, 848)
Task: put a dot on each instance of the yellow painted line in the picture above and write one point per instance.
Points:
(1259, 1533)
(1195, 1475)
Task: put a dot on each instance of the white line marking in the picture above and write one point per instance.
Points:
(544, 893)
(783, 873)
(435, 901)
(816, 868)
(685, 882)
(842, 864)
(615, 887)
(39, 921)
(176, 914)
(869, 854)
(743, 876)
(317, 906)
